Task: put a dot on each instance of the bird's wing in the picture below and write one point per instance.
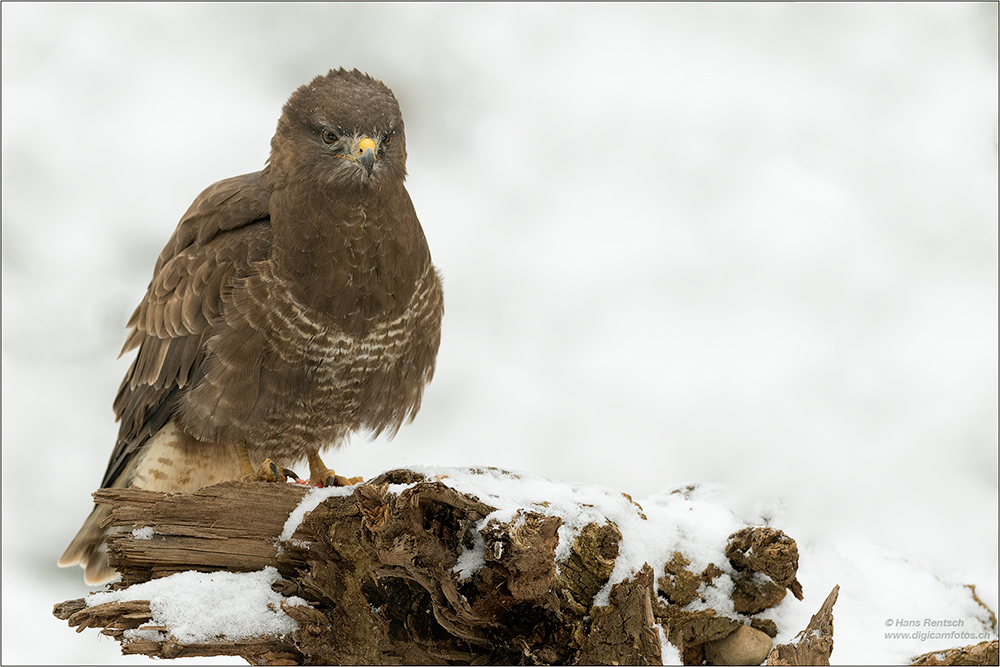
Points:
(225, 229)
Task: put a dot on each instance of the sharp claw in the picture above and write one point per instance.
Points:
(289, 473)
(274, 470)
(330, 481)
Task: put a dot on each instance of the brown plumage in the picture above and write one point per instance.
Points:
(291, 307)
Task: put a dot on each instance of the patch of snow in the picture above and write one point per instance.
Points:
(669, 654)
(138, 633)
(198, 607)
(877, 588)
(144, 533)
(308, 503)
(470, 560)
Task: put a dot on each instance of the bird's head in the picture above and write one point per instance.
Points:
(343, 129)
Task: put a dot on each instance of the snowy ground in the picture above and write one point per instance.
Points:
(747, 245)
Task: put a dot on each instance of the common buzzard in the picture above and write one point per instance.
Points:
(291, 307)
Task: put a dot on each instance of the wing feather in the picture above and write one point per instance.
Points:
(221, 234)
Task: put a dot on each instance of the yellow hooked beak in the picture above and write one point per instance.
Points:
(367, 158)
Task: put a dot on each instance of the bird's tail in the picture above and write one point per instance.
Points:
(89, 548)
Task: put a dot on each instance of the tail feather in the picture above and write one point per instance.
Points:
(89, 549)
(171, 461)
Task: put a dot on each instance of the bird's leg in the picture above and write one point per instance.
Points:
(269, 471)
(320, 475)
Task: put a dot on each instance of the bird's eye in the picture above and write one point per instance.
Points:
(387, 138)
(330, 137)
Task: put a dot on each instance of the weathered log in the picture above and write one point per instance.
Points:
(407, 570)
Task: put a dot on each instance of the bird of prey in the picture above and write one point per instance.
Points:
(291, 307)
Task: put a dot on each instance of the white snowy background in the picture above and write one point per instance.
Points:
(747, 245)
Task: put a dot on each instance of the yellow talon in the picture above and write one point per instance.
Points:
(269, 471)
(320, 475)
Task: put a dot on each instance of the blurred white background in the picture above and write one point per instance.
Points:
(747, 244)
